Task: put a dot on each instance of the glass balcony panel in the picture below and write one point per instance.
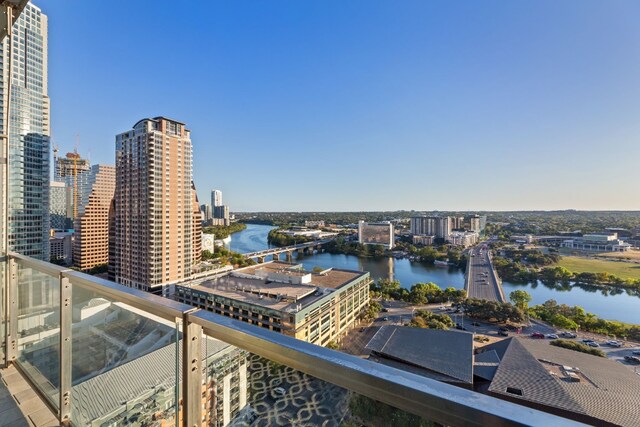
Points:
(245, 389)
(39, 330)
(124, 363)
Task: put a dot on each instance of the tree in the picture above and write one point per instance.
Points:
(520, 299)
(317, 269)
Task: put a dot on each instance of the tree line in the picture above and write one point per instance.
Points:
(577, 318)
(528, 266)
(226, 257)
(277, 238)
(224, 231)
(420, 293)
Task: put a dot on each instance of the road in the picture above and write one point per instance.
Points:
(481, 280)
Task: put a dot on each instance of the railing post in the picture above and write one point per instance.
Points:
(12, 310)
(191, 373)
(65, 351)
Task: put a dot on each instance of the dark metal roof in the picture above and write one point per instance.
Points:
(448, 353)
(606, 390)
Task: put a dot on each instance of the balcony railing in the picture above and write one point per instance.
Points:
(99, 353)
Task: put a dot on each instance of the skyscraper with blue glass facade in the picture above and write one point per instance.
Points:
(25, 60)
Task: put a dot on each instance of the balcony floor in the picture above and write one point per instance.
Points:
(19, 404)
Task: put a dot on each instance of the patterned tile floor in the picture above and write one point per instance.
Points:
(305, 401)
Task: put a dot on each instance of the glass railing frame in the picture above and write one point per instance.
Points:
(427, 398)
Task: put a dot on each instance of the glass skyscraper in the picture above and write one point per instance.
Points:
(29, 131)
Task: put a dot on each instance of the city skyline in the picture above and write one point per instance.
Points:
(522, 107)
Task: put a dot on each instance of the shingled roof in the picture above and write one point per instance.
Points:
(448, 354)
(581, 386)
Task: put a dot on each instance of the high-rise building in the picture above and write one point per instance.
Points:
(25, 86)
(423, 225)
(477, 223)
(438, 226)
(61, 247)
(443, 227)
(69, 166)
(196, 227)
(206, 211)
(73, 170)
(457, 222)
(216, 198)
(153, 206)
(474, 223)
(222, 212)
(58, 214)
(91, 244)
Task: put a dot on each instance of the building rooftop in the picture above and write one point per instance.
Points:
(277, 296)
(593, 389)
(442, 355)
(278, 285)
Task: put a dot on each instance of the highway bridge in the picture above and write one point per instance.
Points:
(481, 280)
(307, 247)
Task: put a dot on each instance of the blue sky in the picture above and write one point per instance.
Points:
(365, 105)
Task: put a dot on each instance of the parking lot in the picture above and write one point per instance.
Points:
(399, 313)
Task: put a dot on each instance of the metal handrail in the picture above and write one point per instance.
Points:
(428, 398)
(153, 304)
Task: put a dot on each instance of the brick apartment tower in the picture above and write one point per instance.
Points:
(91, 244)
(152, 217)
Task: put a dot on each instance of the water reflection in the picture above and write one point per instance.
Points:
(606, 302)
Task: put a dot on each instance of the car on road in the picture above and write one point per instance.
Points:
(552, 336)
(385, 310)
(636, 352)
(593, 344)
(361, 329)
(385, 318)
(614, 343)
(503, 328)
(503, 333)
(537, 335)
(566, 334)
(587, 340)
(475, 324)
(460, 327)
(632, 359)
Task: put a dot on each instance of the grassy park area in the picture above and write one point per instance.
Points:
(625, 270)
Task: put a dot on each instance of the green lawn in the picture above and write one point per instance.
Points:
(626, 270)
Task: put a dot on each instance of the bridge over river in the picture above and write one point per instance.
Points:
(481, 280)
(307, 247)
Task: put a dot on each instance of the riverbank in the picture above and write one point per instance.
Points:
(520, 266)
(610, 303)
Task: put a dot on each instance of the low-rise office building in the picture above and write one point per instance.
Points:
(283, 297)
(597, 242)
(319, 223)
(463, 238)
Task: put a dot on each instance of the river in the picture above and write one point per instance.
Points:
(620, 306)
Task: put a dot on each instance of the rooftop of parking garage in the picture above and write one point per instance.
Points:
(245, 286)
